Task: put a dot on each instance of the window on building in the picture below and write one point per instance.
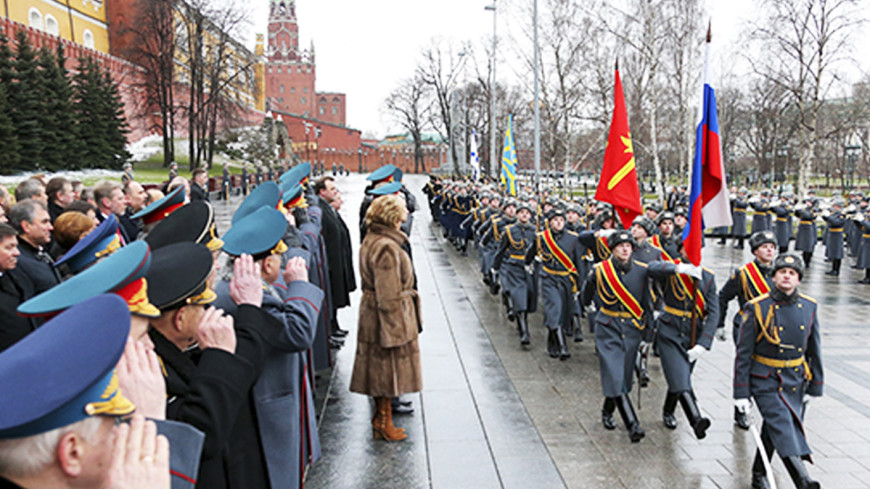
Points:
(304, 89)
(292, 89)
(321, 111)
(269, 70)
(51, 25)
(281, 89)
(35, 19)
(305, 114)
(334, 110)
(88, 39)
(279, 70)
(303, 100)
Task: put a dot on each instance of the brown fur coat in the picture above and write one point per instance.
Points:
(387, 361)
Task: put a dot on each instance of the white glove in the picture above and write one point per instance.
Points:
(539, 259)
(690, 270)
(743, 405)
(806, 400)
(530, 269)
(493, 272)
(721, 334)
(695, 353)
(606, 233)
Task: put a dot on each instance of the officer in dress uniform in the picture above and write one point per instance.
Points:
(520, 287)
(282, 395)
(759, 212)
(622, 296)
(680, 347)
(779, 366)
(493, 234)
(173, 170)
(558, 251)
(667, 237)
(834, 249)
(62, 377)
(738, 217)
(159, 209)
(127, 176)
(746, 283)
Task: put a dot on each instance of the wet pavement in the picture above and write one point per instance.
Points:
(495, 414)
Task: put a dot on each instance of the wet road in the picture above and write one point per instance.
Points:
(494, 414)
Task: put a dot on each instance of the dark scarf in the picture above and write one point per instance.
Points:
(780, 296)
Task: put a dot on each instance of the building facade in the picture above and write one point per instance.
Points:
(79, 21)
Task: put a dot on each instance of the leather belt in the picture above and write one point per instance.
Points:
(677, 312)
(616, 314)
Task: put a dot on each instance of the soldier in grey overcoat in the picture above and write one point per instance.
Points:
(519, 286)
(834, 250)
(779, 365)
(807, 234)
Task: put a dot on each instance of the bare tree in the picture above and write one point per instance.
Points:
(409, 106)
(803, 43)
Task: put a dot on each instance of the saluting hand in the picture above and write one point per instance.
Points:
(140, 457)
(142, 381)
(216, 331)
(246, 286)
(296, 269)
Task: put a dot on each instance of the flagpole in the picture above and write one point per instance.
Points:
(537, 111)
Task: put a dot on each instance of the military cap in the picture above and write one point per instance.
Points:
(398, 174)
(619, 237)
(159, 209)
(387, 189)
(680, 211)
(509, 201)
(839, 202)
(64, 371)
(556, 211)
(383, 173)
(654, 206)
(102, 241)
(742, 190)
(179, 276)
(574, 207)
(790, 260)
(266, 194)
(664, 216)
(193, 222)
(759, 238)
(524, 196)
(258, 235)
(523, 204)
(296, 174)
(646, 223)
(122, 274)
(294, 197)
(553, 201)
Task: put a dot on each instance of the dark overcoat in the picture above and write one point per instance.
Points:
(835, 247)
(510, 263)
(336, 240)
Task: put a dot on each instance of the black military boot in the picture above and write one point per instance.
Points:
(493, 286)
(568, 328)
(835, 267)
(553, 343)
(798, 473)
(607, 413)
(626, 410)
(509, 305)
(522, 322)
(741, 420)
(640, 367)
(759, 473)
(564, 354)
(739, 243)
(690, 407)
(578, 328)
(668, 418)
(808, 257)
(866, 279)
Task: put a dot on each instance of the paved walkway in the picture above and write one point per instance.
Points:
(494, 414)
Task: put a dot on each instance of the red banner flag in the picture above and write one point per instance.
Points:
(618, 183)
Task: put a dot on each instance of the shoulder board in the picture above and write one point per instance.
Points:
(759, 298)
(640, 263)
(572, 233)
(708, 270)
(808, 298)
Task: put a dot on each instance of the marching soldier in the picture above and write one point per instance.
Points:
(520, 287)
(622, 296)
(738, 217)
(667, 237)
(806, 236)
(834, 250)
(493, 233)
(558, 250)
(759, 213)
(782, 228)
(746, 283)
(679, 346)
(779, 365)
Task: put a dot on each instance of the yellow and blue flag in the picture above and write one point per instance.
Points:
(509, 159)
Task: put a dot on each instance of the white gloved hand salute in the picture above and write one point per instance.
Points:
(695, 353)
(743, 405)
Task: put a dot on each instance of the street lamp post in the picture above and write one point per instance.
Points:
(852, 151)
(492, 123)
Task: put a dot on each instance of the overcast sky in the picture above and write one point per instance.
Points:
(363, 49)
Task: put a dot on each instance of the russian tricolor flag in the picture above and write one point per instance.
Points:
(708, 199)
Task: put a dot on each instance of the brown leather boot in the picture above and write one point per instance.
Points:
(382, 425)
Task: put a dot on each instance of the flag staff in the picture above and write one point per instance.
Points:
(537, 110)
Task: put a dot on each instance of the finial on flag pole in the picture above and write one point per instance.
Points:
(617, 64)
(709, 30)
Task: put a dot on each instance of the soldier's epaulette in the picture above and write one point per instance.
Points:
(808, 298)
(707, 269)
(644, 265)
(572, 233)
(759, 298)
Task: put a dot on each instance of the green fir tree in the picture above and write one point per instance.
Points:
(9, 160)
(61, 144)
(25, 97)
(100, 117)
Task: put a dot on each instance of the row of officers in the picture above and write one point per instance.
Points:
(639, 293)
(184, 357)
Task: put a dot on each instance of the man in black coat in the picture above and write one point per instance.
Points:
(31, 220)
(199, 185)
(339, 252)
(15, 288)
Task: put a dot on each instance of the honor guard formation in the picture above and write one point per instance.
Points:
(143, 346)
(635, 294)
